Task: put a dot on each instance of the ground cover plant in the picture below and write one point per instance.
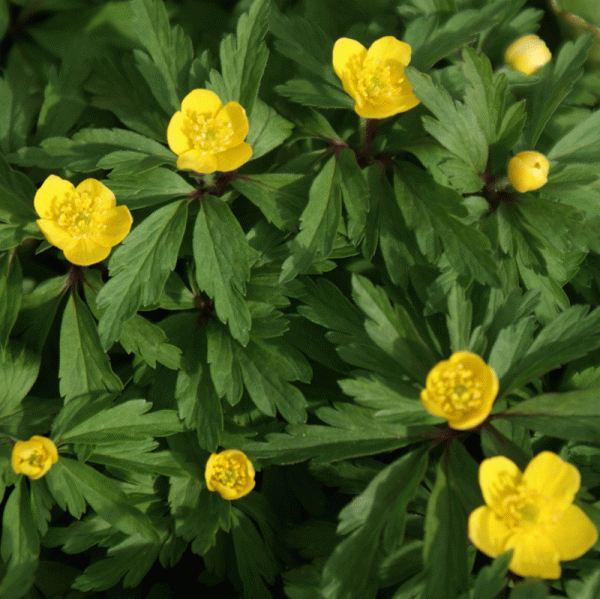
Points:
(299, 299)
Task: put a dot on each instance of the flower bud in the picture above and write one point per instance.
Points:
(230, 473)
(34, 457)
(527, 54)
(528, 171)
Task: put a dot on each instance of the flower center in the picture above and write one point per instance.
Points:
(379, 80)
(209, 135)
(457, 389)
(78, 216)
(37, 459)
(231, 474)
(525, 507)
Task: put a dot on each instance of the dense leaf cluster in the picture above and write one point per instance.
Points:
(293, 308)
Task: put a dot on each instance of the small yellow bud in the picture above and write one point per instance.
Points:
(527, 54)
(528, 171)
(230, 473)
(34, 457)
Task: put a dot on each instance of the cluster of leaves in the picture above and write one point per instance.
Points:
(292, 309)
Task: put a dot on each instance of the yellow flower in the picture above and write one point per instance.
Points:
(528, 171)
(34, 457)
(84, 221)
(230, 473)
(527, 54)
(207, 136)
(375, 78)
(531, 513)
(461, 389)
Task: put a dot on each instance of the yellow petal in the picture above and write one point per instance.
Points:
(498, 478)
(84, 252)
(105, 198)
(234, 157)
(527, 54)
(234, 113)
(200, 102)
(488, 532)
(178, 140)
(573, 533)
(552, 477)
(56, 235)
(374, 111)
(389, 48)
(117, 224)
(472, 418)
(195, 161)
(347, 54)
(53, 192)
(534, 554)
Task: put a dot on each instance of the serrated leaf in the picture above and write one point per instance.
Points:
(141, 337)
(139, 268)
(580, 144)
(315, 93)
(20, 539)
(348, 573)
(18, 371)
(16, 192)
(169, 48)
(129, 420)
(84, 366)
(10, 294)
(279, 196)
(318, 224)
(243, 58)
(492, 579)
(355, 194)
(224, 370)
(223, 261)
(108, 500)
(268, 129)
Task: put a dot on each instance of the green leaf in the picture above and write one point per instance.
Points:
(318, 224)
(108, 500)
(147, 340)
(223, 260)
(492, 579)
(530, 588)
(10, 294)
(12, 235)
(268, 129)
(561, 75)
(17, 578)
(84, 366)
(581, 144)
(255, 560)
(243, 58)
(65, 490)
(139, 268)
(355, 194)
(169, 49)
(16, 192)
(349, 571)
(20, 539)
(88, 148)
(128, 420)
(572, 334)
(224, 370)
(570, 415)
(467, 248)
(392, 329)
(198, 403)
(445, 550)
(315, 93)
(279, 196)
(18, 371)
(456, 125)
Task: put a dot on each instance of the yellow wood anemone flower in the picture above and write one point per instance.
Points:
(527, 54)
(528, 171)
(84, 221)
(207, 136)
(230, 473)
(461, 389)
(34, 457)
(375, 78)
(531, 513)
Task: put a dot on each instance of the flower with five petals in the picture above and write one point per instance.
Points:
(84, 221)
(230, 473)
(375, 78)
(461, 389)
(207, 136)
(532, 513)
(34, 457)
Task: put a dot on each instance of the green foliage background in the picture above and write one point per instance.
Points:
(293, 309)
